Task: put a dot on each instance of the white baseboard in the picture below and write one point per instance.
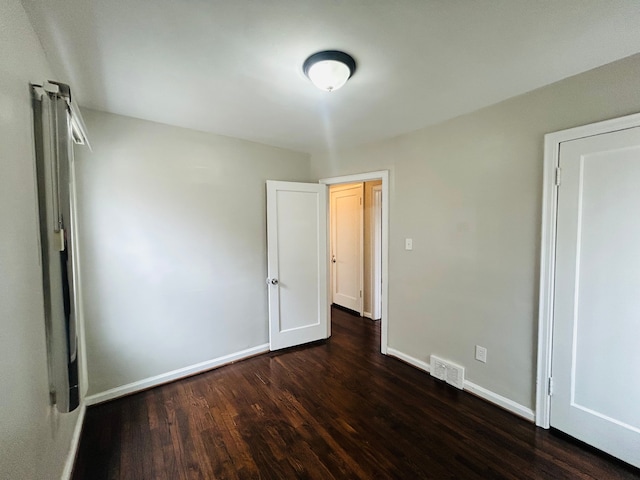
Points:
(367, 315)
(409, 359)
(471, 387)
(75, 443)
(173, 375)
(504, 402)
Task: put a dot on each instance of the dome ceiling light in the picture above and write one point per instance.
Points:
(329, 70)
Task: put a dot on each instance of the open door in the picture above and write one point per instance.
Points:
(297, 263)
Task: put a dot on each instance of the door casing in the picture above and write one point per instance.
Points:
(365, 177)
(552, 143)
(376, 278)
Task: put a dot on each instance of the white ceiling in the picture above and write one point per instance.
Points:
(233, 67)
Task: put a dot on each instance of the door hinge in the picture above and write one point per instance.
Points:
(360, 200)
(360, 293)
(550, 386)
(558, 176)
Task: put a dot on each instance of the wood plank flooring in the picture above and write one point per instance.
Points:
(335, 409)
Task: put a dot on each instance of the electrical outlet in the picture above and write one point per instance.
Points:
(408, 244)
(481, 354)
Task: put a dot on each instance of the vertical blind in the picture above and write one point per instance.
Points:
(57, 127)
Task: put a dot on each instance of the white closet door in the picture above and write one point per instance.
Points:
(596, 334)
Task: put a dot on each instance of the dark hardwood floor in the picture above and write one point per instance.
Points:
(336, 409)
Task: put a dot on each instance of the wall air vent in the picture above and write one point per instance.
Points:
(449, 372)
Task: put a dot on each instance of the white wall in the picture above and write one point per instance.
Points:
(468, 192)
(34, 438)
(173, 230)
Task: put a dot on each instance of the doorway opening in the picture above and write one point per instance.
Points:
(358, 253)
(355, 236)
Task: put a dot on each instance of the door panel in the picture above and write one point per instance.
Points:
(596, 358)
(347, 246)
(297, 263)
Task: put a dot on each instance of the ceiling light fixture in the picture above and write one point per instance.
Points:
(329, 70)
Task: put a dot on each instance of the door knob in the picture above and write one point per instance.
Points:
(333, 259)
(274, 281)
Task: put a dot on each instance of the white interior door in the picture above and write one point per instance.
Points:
(347, 246)
(596, 321)
(297, 263)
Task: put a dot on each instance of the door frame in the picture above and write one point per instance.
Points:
(364, 177)
(552, 143)
(376, 278)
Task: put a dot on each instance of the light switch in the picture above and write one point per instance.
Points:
(408, 243)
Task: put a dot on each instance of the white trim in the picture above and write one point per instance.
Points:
(504, 402)
(75, 443)
(471, 387)
(552, 143)
(355, 178)
(386, 199)
(547, 267)
(174, 375)
(361, 259)
(367, 315)
(376, 251)
(409, 359)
